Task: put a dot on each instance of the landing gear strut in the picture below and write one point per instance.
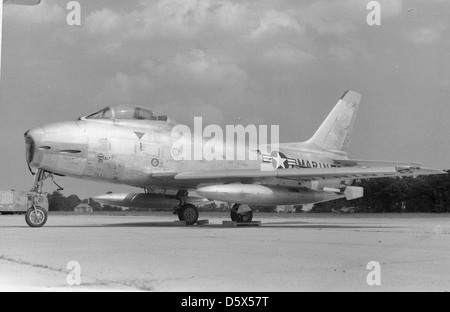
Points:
(37, 216)
(241, 216)
(186, 212)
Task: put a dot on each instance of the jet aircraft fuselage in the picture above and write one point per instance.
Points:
(137, 146)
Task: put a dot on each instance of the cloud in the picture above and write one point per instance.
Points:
(195, 80)
(197, 68)
(104, 21)
(274, 21)
(326, 17)
(425, 35)
(229, 15)
(215, 54)
(196, 107)
(341, 18)
(279, 30)
(391, 8)
(169, 18)
(341, 53)
(124, 88)
(288, 55)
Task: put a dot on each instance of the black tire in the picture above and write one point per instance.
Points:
(180, 215)
(36, 218)
(246, 217)
(188, 213)
(234, 213)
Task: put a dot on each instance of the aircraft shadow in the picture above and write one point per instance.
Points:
(268, 225)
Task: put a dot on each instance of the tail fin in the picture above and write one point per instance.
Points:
(335, 132)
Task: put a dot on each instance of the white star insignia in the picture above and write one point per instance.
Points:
(279, 161)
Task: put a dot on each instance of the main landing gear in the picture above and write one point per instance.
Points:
(189, 213)
(242, 215)
(36, 216)
(186, 212)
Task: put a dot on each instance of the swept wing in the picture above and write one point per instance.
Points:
(307, 174)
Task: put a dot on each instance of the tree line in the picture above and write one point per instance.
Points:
(403, 194)
(59, 202)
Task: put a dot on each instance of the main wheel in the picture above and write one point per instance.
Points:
(234, 212)
(243, 217)
(36, 217)
(180, 215)
(188, 213)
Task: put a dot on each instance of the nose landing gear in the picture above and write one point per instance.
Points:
(37, 216)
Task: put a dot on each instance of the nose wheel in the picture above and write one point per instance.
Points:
(36, 217)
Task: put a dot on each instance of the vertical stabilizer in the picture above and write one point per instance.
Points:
(335, 132)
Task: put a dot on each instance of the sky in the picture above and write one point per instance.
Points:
(284, 62)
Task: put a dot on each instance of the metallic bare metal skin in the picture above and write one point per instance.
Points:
(134, 146)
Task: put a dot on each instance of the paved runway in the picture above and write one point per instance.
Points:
(290, 252)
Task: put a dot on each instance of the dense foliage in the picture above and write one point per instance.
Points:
(58, 202)
(421, 194)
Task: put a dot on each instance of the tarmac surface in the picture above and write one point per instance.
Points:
(289, 252)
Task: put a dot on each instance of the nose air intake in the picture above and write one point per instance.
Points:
(31, 137)
(29, 146)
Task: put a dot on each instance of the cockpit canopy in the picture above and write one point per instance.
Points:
(126, 112)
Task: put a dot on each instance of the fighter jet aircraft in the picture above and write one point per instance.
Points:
(135, 146)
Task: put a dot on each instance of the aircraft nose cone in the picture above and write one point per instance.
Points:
(32, 139)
